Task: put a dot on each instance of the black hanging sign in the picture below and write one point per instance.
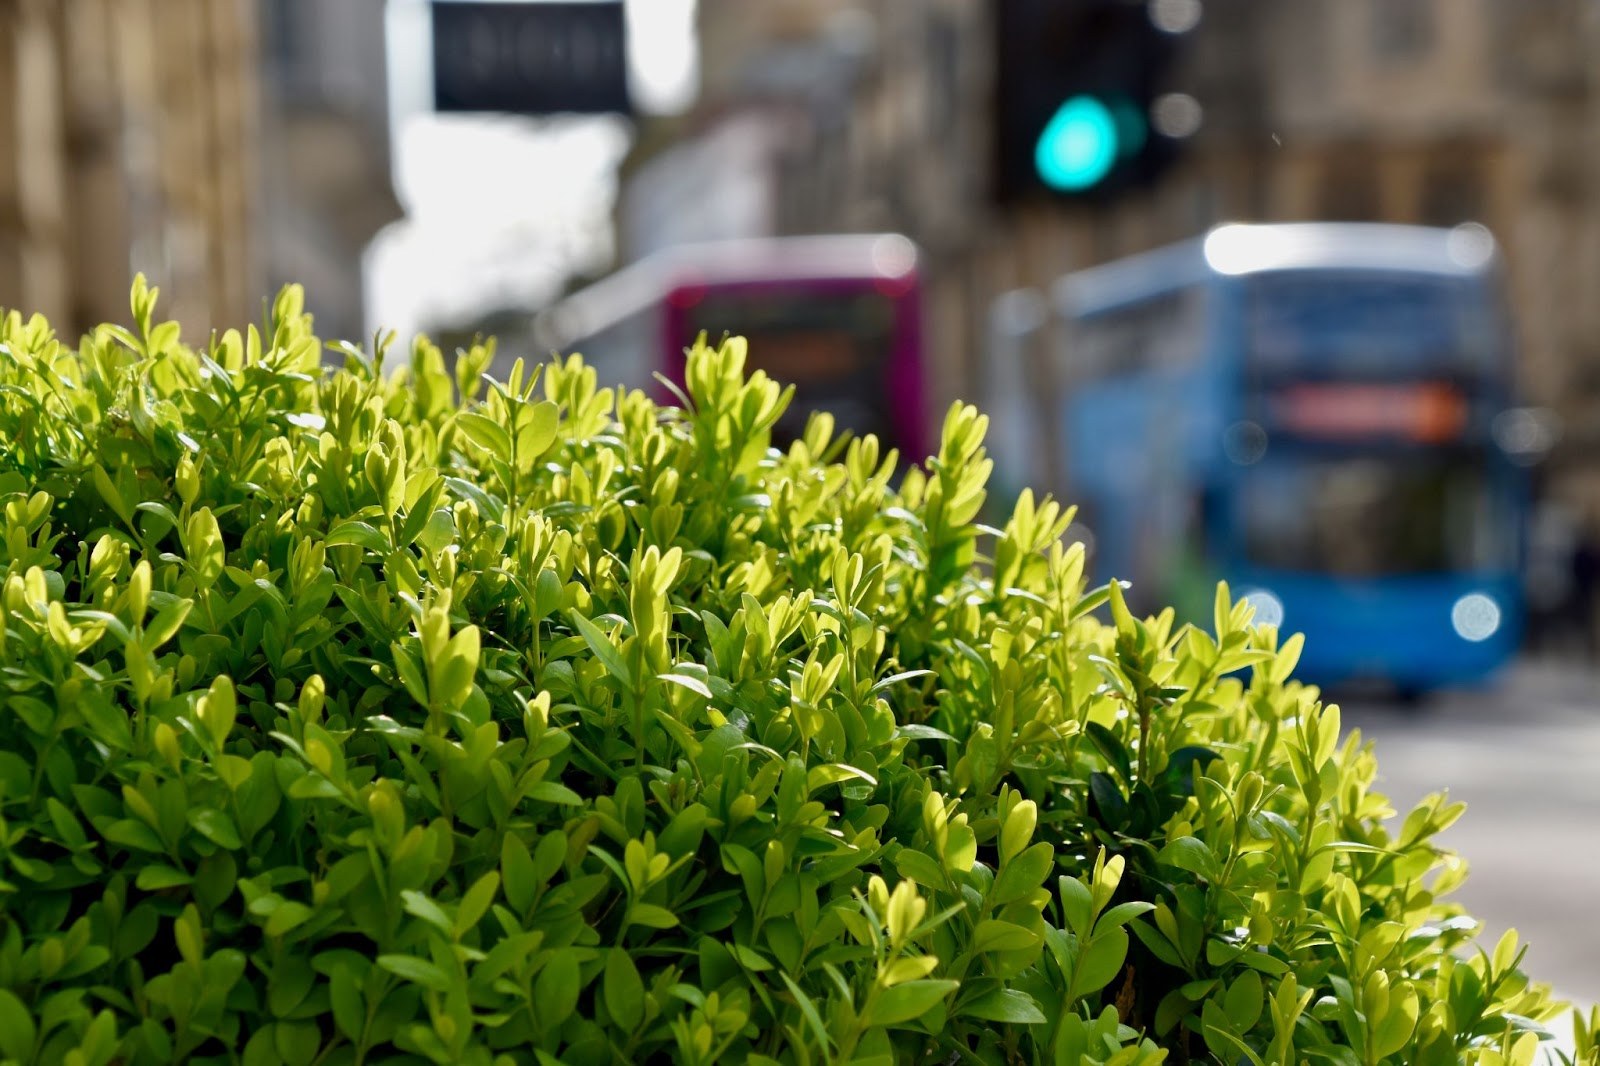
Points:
(529, 58)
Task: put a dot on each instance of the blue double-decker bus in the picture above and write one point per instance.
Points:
(1307, 411)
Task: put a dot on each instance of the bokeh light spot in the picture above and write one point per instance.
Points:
(1475, 617)
(1176, 115)
(1078, 145)
(1175, 16)
(1245, 443)
(1269, 609)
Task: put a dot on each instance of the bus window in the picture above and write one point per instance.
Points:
(832, 346)
(1342, 323)
(837, 316)
(1366, 516)
(1164, 332)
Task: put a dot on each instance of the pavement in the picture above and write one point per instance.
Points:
(1524, 754)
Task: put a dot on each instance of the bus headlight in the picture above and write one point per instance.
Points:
(1269, 609)
(1475, 617)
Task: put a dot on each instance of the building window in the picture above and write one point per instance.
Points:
(282, 37)
(943, 99)
(1401, 29)
(1451, 193)
(1347, 191)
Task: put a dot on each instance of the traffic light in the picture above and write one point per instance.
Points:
(1083, 109)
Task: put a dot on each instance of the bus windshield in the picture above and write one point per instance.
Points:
(1345, 324)
(831, 345)
(1371, 515)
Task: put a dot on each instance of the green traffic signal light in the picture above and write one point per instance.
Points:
(1078, 146)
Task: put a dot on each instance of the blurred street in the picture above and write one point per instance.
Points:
(1523, 756)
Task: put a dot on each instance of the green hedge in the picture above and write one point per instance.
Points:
(352, 718)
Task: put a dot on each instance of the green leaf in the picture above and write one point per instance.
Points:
(453, 674)
(165, 625)
(487, 504)
(1393, 1032)
(819, 777)
(1191, 853)
(410, 673)
(358, 533)
(554, 792)
(287, 917)
(155, 877)
(548, 856)
(603, 649)
(921, 868)
(1023, 874)
(1288, 658)
(1108, 798)
(1244, 1001)
(132, 833)
(750, 958)
(68, 828)
(162, 512)
(108, 492)
(1112, 749)
(517, 872)
(1100, 963)
(487, 434)
(557, 988)
(624, 990)
(1270, 965)
(314, 786)
(17, 1031)
(648, 914)
(994, 935)
(422, 907)
(1017, 830)
(808, 1010)
(534, 438)
(349, 1007)
(1184, 765)
(475, 902)
(418, 971)
(917, 731)
(437, 533)
(907, 1002)
(203, 544)
(1352, 845)
(693, 684)
(1005, 1005)
(895, 679)
(547, 590)
(1122, 914)
(1077, 904)
(1223, 1043)
(215, 826)
(1158, 944)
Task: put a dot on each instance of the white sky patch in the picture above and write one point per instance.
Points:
(501, 209)
(663, 55)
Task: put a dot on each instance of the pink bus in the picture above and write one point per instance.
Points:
(838, 317)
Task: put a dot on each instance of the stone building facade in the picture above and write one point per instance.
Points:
(222, 147)
(128, 142)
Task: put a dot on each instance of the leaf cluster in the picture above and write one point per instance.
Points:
(353, 717)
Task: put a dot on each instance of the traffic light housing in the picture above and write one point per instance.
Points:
(1076, 81)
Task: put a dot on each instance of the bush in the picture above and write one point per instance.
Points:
(345, 723)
